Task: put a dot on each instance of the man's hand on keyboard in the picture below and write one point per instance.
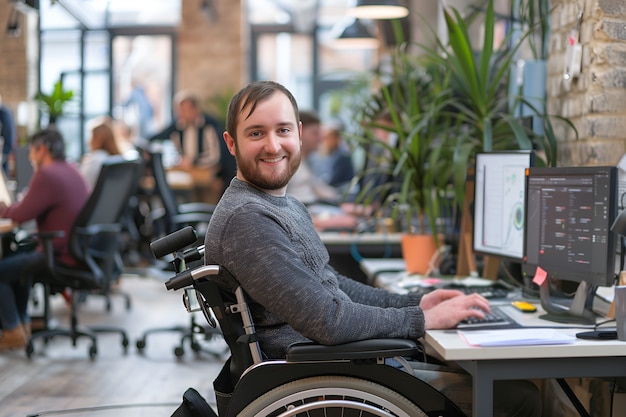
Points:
(444, 309)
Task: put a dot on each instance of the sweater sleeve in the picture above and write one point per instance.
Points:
(35, 202)
(262, 256)
(366, 294)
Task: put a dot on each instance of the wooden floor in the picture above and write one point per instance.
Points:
(61, 380)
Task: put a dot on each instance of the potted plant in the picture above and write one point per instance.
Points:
(443, 105)
(408, 176)
(54, 103)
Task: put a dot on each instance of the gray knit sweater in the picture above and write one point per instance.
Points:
(270, 246)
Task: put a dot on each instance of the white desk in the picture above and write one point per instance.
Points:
(583, 358)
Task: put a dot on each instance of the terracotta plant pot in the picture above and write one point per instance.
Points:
(418, 251)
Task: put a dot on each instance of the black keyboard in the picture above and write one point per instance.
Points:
(488, 291)
(494, 319)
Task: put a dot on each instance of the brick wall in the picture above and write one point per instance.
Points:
(210, 49)
(210, 52)
(13, 72)
(595, 100)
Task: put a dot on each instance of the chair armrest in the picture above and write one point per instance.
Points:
(96, 229)
(196, 207)
(46, 239)
(48, 235)
(362, 349)
(185, 219)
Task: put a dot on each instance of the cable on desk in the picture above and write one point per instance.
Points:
(602, 323)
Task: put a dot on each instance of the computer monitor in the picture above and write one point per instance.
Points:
(499, 203)
(568, 237)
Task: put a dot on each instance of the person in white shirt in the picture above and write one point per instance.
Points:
(102, 145)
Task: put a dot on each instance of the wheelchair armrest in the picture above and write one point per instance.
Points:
(362, 349)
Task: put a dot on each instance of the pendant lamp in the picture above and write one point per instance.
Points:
(378, 9)
(356, 36)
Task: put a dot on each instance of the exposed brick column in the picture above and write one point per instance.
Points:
(595, 101)
(13, 66)
(210, 49)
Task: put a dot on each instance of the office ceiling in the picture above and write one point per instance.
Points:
(101, 14)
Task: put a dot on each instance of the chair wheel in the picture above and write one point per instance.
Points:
(125, 344)
(141, 344)
(93, 351)
(29, 350)
(179, 351)
(196, 347)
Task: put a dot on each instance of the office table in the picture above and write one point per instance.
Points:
(583, 358)
(347, 249)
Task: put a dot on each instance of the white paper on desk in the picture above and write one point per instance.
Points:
(516, 337)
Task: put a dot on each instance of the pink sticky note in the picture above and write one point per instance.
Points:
(540, 276)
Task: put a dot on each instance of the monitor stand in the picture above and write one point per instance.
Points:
(565, 310)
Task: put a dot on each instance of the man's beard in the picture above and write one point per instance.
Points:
(274, 181)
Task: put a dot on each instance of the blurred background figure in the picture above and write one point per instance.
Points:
(102, 145)
(197, 137)
(332, 161)
(8, 135)
(305, 185)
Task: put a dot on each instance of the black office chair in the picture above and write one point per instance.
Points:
(194, 332)
(94, 243)
(347, 379)
(174, 215)
(171, 217)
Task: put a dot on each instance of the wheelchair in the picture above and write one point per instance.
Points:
(350, 379)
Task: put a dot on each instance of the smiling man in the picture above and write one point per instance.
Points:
(267, 241)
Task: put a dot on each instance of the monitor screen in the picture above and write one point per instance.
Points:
(499, 202)
(569, 214)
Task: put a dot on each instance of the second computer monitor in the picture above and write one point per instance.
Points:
(499, 203)
(569, 214)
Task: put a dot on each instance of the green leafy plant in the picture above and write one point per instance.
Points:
(54, 103)
(444, 105)
(410, 105)
(480, 84)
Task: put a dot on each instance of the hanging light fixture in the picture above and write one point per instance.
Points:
(378, 9)
(356, 35)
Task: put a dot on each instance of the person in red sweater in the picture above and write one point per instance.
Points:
(56, 194)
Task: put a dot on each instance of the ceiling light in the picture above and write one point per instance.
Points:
(378, 9)
(356, 35)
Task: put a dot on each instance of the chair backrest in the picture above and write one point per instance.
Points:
(230, 312)
(163, 189)
(109, 199)
(23, 168)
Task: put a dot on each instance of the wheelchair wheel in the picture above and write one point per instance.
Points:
(332, 396)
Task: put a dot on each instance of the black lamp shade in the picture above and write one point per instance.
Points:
(356, 36)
